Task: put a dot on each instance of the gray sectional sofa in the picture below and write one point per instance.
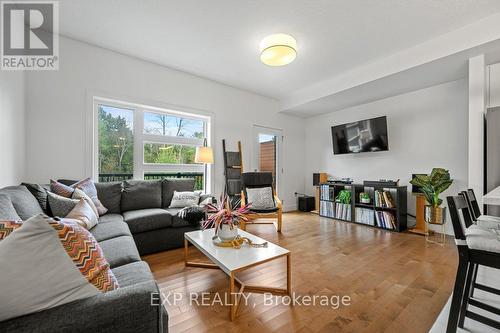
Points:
(138, 222)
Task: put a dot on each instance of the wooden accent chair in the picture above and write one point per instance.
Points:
(476, 246)
(252, 181)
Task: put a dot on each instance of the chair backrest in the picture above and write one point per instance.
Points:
(256, 179)
(456, 205)
(473, 205)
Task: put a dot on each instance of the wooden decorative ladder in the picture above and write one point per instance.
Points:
(233, 168)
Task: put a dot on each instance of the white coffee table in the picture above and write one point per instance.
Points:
(232, 261)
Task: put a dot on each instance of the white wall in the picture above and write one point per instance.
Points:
(12, 108)
(427, 128)
(476, 112)
(57, 104)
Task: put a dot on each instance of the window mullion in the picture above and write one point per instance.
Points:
(138, 144)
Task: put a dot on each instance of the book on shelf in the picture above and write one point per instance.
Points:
(383, 198)
(385, 220)
(327, 209)
(343, 211)
(365, 216)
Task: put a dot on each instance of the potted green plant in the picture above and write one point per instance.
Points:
(364, 198)
(431, 187)
(344, 197)
(225, 219)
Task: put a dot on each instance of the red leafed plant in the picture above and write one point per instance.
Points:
(223, 213)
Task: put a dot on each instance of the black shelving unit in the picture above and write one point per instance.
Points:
(364, 213)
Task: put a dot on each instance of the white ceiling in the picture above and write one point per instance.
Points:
(218, 39)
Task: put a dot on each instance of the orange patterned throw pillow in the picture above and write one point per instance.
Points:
(7, 227)
(85, 252)
(56, 261)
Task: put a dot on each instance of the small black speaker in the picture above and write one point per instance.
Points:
(306, 203)
(315, 179)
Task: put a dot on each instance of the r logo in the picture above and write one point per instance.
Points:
(29, 33)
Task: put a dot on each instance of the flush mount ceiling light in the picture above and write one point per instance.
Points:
(278, 50)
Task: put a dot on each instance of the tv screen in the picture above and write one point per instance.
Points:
(368, 135)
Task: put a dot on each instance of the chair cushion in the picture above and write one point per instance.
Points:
(176, 220)
(264, 210)
(489, 218)
(141, 194)
(482, 239)
(110, 195)
(133, 273)
(260, 198)
(170, 185)
(7, 210)
(23, 201)
(110, 218)
(142, 220)
(112, 229)
(120, 251)
(488, 224)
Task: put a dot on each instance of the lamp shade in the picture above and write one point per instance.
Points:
(204, 155)
(278, 50)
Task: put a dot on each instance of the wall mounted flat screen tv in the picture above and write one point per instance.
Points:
(368, 135)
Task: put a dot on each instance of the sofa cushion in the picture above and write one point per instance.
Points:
(170, 185)
(110, 218)
(176, 220)
(24, 202)
(110, 195)
(141, 194)
(133, 273)
(7, 210)
(147, 219)
(104, 231)
(120, 251)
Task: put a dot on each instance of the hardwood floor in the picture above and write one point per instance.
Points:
(396, 282)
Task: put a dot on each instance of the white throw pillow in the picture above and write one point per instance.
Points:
(185, 199)
(79, 194)
(84, 214)
(260, 198)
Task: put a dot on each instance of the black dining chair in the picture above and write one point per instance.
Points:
(475, 212)
(476, 246)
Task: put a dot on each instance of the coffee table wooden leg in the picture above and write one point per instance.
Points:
(185, 251)
(289, 274)
(234, 306)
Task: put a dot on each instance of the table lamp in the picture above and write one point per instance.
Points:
(204, 155)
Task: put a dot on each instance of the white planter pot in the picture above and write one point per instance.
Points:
(225, 233)
(365, 201)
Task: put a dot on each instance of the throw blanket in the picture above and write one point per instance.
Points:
(193, 215)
